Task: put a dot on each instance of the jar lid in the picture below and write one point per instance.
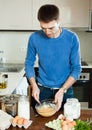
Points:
(72, 100)
(9, 98)
(10, 102)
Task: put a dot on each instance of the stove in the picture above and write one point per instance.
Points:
(84, 75)
(83, 87)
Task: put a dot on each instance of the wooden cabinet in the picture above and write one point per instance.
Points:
(74, 13)
(15, 14)
(22, 14)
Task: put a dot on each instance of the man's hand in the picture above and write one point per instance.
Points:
(36, 93)
(59, 98)
(35, 89)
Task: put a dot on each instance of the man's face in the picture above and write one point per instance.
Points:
(51, 29)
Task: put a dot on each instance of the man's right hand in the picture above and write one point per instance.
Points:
(35, 89)
(36, 93)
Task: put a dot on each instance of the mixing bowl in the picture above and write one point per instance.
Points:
(46, 108)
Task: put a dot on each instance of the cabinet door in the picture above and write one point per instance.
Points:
(73, 13)
(15, 14)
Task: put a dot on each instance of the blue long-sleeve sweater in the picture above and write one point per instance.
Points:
(59, 57)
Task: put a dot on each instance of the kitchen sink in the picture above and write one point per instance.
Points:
(11, 67)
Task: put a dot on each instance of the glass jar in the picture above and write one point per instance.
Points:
(24, 107)
(72, 108)
(11, 107)
(9, 104)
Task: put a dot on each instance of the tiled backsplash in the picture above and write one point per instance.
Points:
(14, 45)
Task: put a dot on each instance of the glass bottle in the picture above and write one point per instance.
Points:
(0, 81)
(5, 80)
(24, 107)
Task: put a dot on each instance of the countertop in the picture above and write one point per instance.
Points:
(88, 66)
(39, 122)
(14, 78)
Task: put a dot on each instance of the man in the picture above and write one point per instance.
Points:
(58, 53)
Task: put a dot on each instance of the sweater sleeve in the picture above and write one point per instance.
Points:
(75, 57)
(30, 59)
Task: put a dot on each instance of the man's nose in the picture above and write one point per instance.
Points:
(46, 30)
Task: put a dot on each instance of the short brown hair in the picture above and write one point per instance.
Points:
(48, 13)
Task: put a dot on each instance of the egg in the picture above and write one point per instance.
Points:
(65, 127)
(25, 121)
(70, 126)
(68, 121)
(74, 123)
(20, 121)
(64, 123)
(14, 120)
(61, 116)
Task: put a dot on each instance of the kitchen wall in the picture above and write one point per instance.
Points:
(14, 45)
(86, 45)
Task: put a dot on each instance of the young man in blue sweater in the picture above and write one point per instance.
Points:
(59, 61)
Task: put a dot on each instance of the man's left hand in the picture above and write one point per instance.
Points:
(59, 98)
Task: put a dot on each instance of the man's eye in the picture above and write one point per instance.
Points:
(47, 28)
(51, 28)
(42, 28)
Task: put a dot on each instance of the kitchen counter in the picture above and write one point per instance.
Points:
(39, 122)
(14, 78)
(88, 66)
